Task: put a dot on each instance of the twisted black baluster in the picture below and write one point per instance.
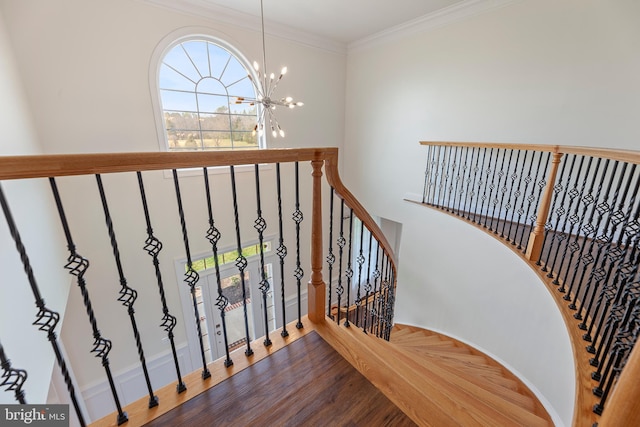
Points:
(298, 273)
(574, 194)
(213, 235)
(153, 246)
(508, 206)
(488, 183)
(77, 266)
(558, 234)
(579, 218)
(260, 225)
(341, 242)
(349, 271)
(480, 187)
(367, 286)
(360, 262)
(331, 258)
(590, 232)
(12, 378)
(376, 293)
(598, 272)
(191, 276)
(471, 183)
(427, 177)
(500, 188)
(453, 167)
(128, 295)
(241, 261)
(611, 256)
(282, 253)
(533, 198)
(514, 201)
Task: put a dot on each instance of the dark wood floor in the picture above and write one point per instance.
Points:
(306, 383)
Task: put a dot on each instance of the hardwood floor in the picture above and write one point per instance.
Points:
(306, 383)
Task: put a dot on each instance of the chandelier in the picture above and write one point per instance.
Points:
(265, 88)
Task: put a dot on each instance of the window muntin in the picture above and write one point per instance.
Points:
(199, 81)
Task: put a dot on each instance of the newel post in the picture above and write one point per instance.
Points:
(623, 408)
(536, 238)
(317, 289)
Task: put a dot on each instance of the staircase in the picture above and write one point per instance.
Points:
(474, 381)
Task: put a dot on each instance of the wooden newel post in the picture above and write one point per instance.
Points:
(536, 238)
(623, 408)
(316, 288)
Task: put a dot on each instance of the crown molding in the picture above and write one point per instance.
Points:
(439, 18)
(226, 16)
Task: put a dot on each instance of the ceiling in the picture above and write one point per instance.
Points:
(340, 21)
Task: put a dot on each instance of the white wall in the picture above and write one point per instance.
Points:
(534, 71)
(85, 67)
(19, 137)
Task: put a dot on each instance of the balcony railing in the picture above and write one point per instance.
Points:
(132, 223)
(573, 214)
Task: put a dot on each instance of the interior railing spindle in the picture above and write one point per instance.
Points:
(13, 379)
(191, 277)
(128, 295)
(214, 236)
(298, 272)
(349, 271)
(367, 286)
(500, 188)
(260, 225)
(488, 183)
(512, 197)
(470, 184)
(153, 246)
(331, 258)
(360, 262)
(532, 216)
(341, 242)
(376, 292)
(282, 253)
(241, 261)
(77, 266)
(481, 188)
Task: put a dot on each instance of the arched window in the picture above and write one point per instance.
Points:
(199, 79)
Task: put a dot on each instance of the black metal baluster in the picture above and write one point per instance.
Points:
(524, 238)
(453, 168)
(514, 200)
(598, 272)
(213, 236)
(444, 177)
(153, 246)
(349, 271)
(128, 295)
(381, 297)
(298, 273)
(282, 253)
(260, 225)
(611, 256)
(77, 266)
(376, 292)
(427, 177)
(500, 188)
(471, 182)
(341, 244)
(556, 231)
(331, 258)
(12, 378)
(590, 233)
(390, 303)
(507, 207)
(579, 242)
(480, 186)
(367, 286)
(191, 276)
(241, 261)
(460, 180)
(488, 184)
(360, 262)
(572, 219)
